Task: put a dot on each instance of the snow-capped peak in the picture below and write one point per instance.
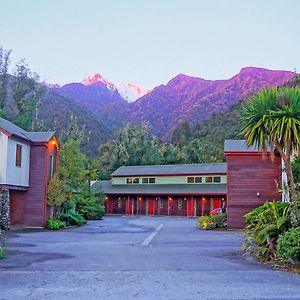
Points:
(130, 92)
(95, 79)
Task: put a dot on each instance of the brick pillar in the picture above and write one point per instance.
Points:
(4, 209)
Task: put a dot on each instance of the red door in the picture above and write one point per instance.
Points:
(134, 205)
(151, 206)
(190, 207)
(216, 203)
(129, 206)
(163, 206)
(205, 206)
(198, 201)
(110, 206)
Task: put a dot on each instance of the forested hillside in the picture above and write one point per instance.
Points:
(33, 106)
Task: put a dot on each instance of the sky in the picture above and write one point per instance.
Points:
(148, 42)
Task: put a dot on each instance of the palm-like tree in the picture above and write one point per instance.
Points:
(272, 117)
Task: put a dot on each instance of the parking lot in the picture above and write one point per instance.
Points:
(137, 258)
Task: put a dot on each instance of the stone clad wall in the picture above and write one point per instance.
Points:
(4, 209)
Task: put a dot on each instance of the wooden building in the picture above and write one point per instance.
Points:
(252, 179)
(247, 180)
(28, 161)
(180, 190)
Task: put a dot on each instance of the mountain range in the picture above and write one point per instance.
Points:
(183, 98)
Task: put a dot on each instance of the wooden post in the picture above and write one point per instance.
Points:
(158, 201)
(132, 207)
(194, 206)
(187, 206)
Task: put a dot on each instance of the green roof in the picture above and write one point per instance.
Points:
(105, 186)
(241, 146)
(178, 169)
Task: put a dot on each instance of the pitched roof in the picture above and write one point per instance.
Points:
(241, 146)
(181, 169)
(40, 136)
(29, 136)
(106, 187)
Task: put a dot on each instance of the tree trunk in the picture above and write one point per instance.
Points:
(51, 211)
(292, 194)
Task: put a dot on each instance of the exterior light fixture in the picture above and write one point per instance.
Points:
(258, 194)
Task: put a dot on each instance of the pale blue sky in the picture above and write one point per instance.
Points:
(148, 42)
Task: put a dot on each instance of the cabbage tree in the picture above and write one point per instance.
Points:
(272, 117)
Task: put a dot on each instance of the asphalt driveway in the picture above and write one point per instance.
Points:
(137, 258)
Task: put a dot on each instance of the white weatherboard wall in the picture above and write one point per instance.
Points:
(18, 176)
(3, 157)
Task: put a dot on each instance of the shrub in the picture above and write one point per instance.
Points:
(204, 222)
(288, 245)
(89, 207)
(264, 225)
(55, 224)
(72, 218)
(214, 221)
(220, 220)
(1, 252)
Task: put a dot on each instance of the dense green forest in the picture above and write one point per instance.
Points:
(135, 145)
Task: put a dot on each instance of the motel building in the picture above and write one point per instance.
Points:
(245, 181)
(172, 190)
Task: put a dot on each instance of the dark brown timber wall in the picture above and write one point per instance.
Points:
(29, 207)
(251, 181)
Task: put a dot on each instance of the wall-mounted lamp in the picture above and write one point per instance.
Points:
(257, 194)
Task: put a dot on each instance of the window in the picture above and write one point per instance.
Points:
(180, 203)
(136, 180)
(198, 179)
(119, 203)
(162, 202)
(133, 180)
(18, 155)
(191, 180)
(51, 165)
(152, 180)
(208, 179)
(146, 180)
(217, 179)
